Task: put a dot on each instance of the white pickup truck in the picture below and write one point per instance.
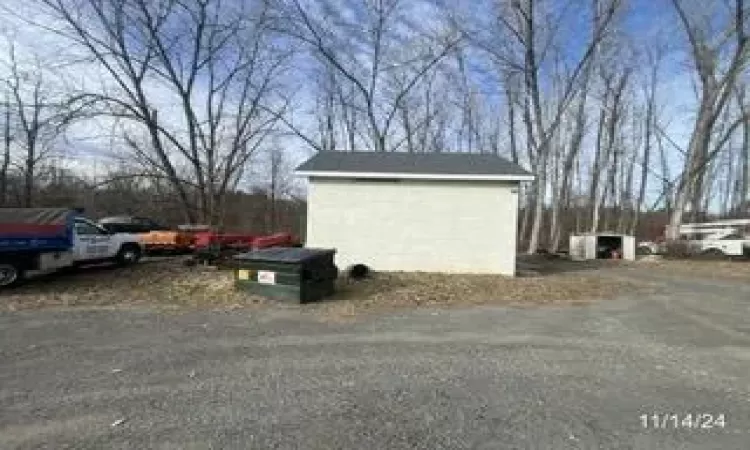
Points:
(49, 239)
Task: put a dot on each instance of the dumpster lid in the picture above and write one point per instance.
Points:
(284, 254)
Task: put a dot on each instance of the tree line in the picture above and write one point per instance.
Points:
(203, 98)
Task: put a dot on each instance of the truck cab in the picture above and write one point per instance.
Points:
(92, 243)
(131, 224)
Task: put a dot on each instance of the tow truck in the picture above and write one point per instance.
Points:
(718, 238)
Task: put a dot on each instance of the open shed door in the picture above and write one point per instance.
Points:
(628, 248)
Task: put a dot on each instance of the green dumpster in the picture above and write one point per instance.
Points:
(298, 275)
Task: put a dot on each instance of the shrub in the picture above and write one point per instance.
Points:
(677, 250)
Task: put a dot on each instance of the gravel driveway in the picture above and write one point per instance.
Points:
(486, 378)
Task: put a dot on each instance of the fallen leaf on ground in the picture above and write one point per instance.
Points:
(118, 422)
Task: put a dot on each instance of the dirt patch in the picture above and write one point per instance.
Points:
(162, 283)
(712, 269)
(410, 290)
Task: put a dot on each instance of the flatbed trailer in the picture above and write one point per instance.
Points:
(217, 247)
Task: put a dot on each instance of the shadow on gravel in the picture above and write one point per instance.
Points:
(551, 264)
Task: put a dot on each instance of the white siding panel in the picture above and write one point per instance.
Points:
(431, 226)
(592, 249)
(577, 247)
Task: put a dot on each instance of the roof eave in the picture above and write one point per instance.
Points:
(414, 176)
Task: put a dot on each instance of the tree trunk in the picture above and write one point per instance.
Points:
(708, 191)
(511, 104)
(646, 160)
(613, 211)
(744, 197)
(7, 138)
(744, 179)
(29, 175)
(667, 189)
(526, 217)
(273, 214)
(187, 205)
(727, 188)
(627, 199)
(555, 195)
(570, 158)
(538, 215)
(693, 164)
(408, 130)
(598, 160)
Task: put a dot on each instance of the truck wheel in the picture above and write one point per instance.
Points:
(128, 254)
(10, 274)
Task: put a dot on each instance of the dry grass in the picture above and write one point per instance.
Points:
(163, 284)
(409, 290)
(715, 269)
(168, 285)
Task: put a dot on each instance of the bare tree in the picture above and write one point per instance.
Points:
(34, 119)
(192, 89)
(615, 85)
(571, 154)
(326, 112)
(742, 194)
(532, 32)
(654, 56)
(379, 55)
(719, 58)
(279, 184)
(216, 60)
(5, 165)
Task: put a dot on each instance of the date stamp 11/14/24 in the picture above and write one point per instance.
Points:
(699, 421)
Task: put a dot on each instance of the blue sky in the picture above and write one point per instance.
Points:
(646, 20)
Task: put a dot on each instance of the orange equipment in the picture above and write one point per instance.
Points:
(167, 241)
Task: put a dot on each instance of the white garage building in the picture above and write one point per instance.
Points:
(429, 212)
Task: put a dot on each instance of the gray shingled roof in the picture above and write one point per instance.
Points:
(412, 163)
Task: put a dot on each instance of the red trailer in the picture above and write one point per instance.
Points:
(276, 240)
(210, 246)
(210, 238)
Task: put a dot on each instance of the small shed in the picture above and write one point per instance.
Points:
(602, 246)
(431, 212)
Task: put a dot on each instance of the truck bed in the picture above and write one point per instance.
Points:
(36, 229)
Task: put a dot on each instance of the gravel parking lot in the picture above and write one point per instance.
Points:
(480, 377)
